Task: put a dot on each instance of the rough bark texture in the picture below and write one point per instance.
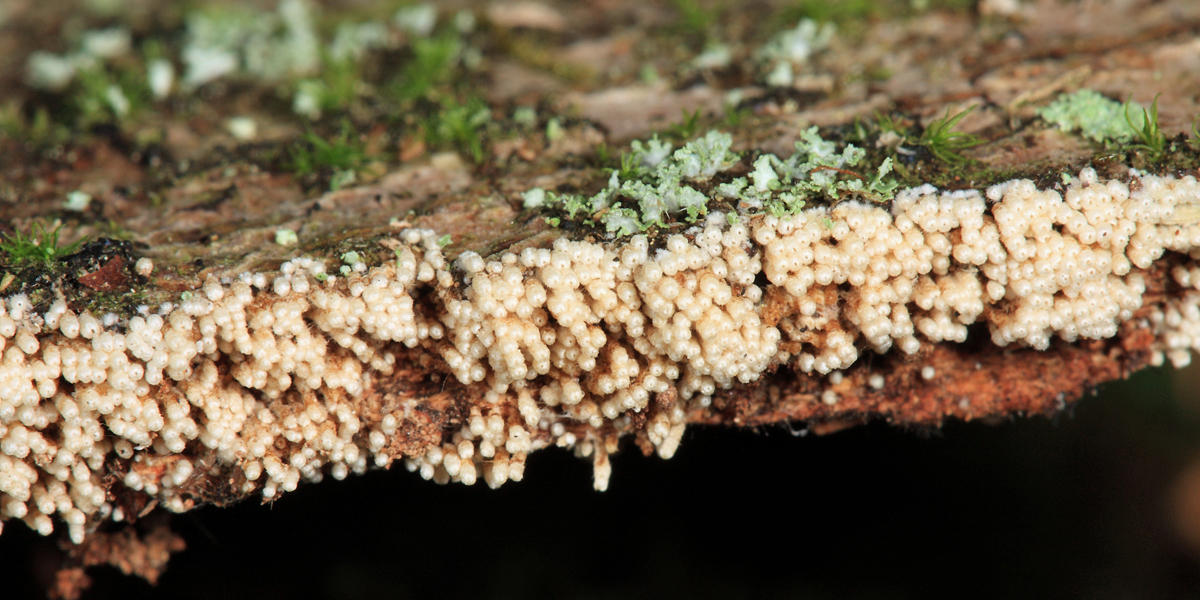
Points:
(142, 552)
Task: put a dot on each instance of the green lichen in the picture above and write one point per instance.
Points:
(554, 130)
(659, 186)
(342, 178)
(525, 117)
(659, 182)
(77, 201)
(286, 237)
(818, 170)
(1093, 116)
(235, 40)
(350, 261)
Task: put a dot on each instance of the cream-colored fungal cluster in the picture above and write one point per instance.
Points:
(1037, 264)
(261, 381)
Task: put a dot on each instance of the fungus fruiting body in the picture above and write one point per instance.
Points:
(269, 379)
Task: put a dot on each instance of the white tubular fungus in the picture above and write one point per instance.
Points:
(260, 377)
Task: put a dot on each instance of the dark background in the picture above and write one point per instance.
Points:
(1075, 506)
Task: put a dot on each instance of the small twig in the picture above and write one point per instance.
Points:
(842, 171)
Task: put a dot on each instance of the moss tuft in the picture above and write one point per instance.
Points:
(39, 248)
(944, 142)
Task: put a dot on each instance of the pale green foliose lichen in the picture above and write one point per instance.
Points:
(286, 237)
(418, 19)
(1093, 116)
(657, 186)
(792, 48)
(534, 198)
(352, 41)
(817, 170)
(651, 153)
(268, 45)
(77, 201)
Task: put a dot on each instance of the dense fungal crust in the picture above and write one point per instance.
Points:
(251, 385)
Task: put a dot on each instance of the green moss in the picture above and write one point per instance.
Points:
(433, 62)
(38, 248)
(851, 15)
(111, 94)
(316, 154)
(1148, 136)
(335, 90)
(1126, 132)
(352, 250)
(896, 136)
(686, 128)
(941, 139)
(38, 131)
(694, 18)
(459, 125)
(833, 11)
(124, 302)
(36, 265)
(734, 116)
(968, 175)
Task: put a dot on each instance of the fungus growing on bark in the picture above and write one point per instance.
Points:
(422, 313)
(274, 378)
